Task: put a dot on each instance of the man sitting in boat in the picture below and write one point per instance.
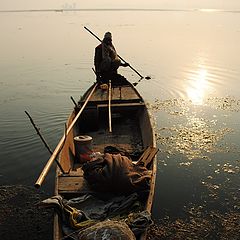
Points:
(106, 61)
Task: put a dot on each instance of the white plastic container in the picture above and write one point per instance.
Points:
(83, 148)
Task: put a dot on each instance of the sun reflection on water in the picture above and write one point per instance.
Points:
(198, 86)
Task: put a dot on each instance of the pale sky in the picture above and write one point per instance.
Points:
(170, 4)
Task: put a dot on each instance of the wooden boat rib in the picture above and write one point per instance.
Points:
(131, 130)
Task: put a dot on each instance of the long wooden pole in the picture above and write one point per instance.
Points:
(118, 55)
(43, 140)
(109, 106)
(61, 142)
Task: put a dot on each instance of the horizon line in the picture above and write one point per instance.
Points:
(121, 9)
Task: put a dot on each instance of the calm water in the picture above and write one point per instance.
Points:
(193, 60)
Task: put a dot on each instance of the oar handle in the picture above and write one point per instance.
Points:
(117, 54)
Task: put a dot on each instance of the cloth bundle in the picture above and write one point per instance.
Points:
(116, 173)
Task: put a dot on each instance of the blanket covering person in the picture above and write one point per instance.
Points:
(116, 173)
(106, 60)
(110, 59)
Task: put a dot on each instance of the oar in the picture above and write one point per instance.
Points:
(109, 106)
(118, 55)
(61, 142)
(136, 83)
(43, 140)
(74, 101)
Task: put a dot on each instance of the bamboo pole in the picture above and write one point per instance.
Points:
(60, 144)
(109, 106)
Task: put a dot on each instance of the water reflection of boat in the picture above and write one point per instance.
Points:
(118, 121)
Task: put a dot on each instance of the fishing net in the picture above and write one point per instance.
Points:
(107, 230)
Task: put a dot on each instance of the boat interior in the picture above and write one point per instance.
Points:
(131, 133)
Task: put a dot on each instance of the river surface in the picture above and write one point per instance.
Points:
(193, 60)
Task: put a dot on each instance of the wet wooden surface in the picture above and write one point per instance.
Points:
(118, 93)
(73, 182)
(125, 134)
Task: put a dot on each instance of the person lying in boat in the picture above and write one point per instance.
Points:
(106, 61)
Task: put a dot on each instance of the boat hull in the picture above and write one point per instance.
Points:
(131, 131)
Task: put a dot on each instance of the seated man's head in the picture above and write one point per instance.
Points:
(107, 38)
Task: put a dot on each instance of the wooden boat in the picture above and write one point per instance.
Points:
(116, 116)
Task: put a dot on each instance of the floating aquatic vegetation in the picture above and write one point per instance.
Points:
(195, 139)
(211, 186)
(199, 225)
(162, 162)
(180, 107)
(185, 164)
(224, 103)
(223, 186)
(199, 136)
(175, 106)
(195, 133)
(227, 168)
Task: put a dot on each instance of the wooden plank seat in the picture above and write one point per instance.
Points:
(147, 156)
(73, 182)
(121, 105)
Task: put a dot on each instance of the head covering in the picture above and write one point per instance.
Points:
(107, 35)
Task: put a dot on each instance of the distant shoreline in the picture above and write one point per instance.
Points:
(120, 9)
